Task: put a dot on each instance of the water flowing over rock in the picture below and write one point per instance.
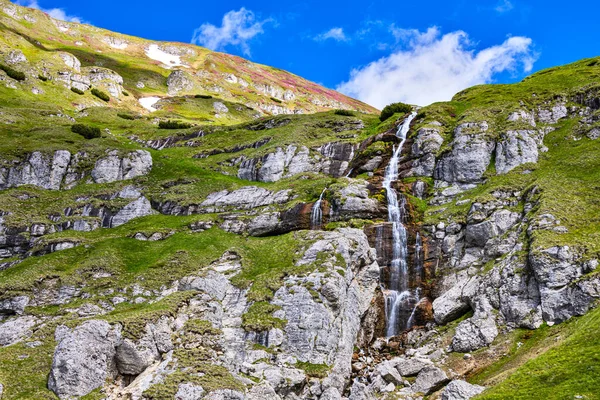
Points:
(399, 297)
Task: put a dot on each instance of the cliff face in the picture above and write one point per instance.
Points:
(252, 258)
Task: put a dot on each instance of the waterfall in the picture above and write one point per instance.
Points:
(398, 296)
(316, 213)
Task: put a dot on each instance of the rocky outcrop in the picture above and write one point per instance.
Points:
(332, 159)
(517, 147)
(461, 390)
(83, 359)
(179, 81)
(62, 169)
(424, 149)
(16, 329)
(116, 168)
(470, 155)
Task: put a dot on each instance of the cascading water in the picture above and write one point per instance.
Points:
(316, 213)
(398, 296)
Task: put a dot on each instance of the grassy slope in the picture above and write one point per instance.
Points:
(559, 362)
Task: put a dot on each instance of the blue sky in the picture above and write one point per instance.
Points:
(378, 51)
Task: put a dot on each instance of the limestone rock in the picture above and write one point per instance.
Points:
(179, 81)
(245, 198)
(412, 366)
(427, 143)
(461, 390)
(14, 305)
(516, 148)
(429, 380)
(137, 208)
(189, 391)
(83, 359)
(15, 57)
(16, 329)
(220, 108)
(470, 155)
(114, 168)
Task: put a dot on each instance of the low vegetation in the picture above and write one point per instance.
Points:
(88, 132)
(101, 95)
(13, 73)
(394, 108)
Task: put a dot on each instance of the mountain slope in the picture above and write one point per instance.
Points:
(178, 254)
(143, 69)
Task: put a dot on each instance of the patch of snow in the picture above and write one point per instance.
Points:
(149, 102)
(168, 60)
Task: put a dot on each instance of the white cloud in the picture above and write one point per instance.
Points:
(237, 29)
(336, 34)
(432, 67)
(504, 6)
(56, 13)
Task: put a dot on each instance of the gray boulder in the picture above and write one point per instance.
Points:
(516, 148)
(189, 391)
(425, 147)
(244, 199)
(179, 81)
(15, 57)
(114, 168)
(14, 305)
(470, 155)
(137, 208)
(461, 390)
(220, 108)
(83, 359)
(429, 380)
(16, 329)
(40, 170)
(412, 366)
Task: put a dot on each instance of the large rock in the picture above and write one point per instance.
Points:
(115, 168)
(14, 305)
(16, 329)
(478, 331)
(331, 158)
(137, 208)
(83, 359)
(322, 324)
(470, 155)
(243, 199)
(424, 149)
(461, 390)
(412, 366)
(429, 380)
(40, 169)
(179, 81)
(516, 148)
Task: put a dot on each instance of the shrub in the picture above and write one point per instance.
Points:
(88, 132)
(203, 96)
(394, 108)
(127, 116)
(592, 63)
(75, 90)
(276, 100)
(125, 93)
(173, 125)
(13, 73)
(100, 94)
(42, 78)
(346, 113)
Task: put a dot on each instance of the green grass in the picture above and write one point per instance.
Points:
(569, 367)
